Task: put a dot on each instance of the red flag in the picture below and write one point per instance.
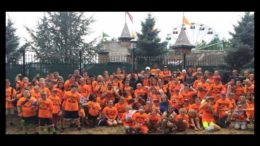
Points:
(130, 16)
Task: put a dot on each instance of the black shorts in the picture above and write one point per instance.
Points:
(30, 120)
(92, 117)
(45, 121)
(71, 114)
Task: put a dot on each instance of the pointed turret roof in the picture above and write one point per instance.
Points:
(125, 35)
(182, 41)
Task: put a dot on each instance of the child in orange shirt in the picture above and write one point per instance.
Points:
(194, 115)
(182, 120)
(45, 113)
(154, 120)
(140, 121)
(121, 106)
(127, 119)
(93, 108)
(56, 113)
(10, 97)
(110, 112)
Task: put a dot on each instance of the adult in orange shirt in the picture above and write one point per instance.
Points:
(194, 114)
(71, 106)
(110, 112)
(202, 88)
(94, 110)
(216, 88)
(27, 108)
(45, 113)
(120, 106)
(70, 82)
(99, 90)
(182, 120)
(154, 120)
(140, 121)
(223, 108)
(208, 111)
(10, 97)
(56, 112)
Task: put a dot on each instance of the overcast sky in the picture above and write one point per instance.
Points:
(112, 22)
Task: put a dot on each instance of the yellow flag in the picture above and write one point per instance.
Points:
(185, 21)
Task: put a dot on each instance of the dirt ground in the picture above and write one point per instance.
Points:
(120, 130)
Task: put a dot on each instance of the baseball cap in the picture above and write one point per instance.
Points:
(147, 68)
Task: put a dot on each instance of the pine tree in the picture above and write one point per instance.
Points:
(241, 52)
(61, 36)
(148, 43)
(12, 43)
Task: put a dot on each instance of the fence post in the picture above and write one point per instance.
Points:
(80, 61)
(184, 60)
(24, 73)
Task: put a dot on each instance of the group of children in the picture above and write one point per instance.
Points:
(152, 100)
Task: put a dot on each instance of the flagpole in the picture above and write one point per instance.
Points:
(182, 18)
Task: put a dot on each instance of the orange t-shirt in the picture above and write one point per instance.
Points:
(182, 117)
(27, 109)
(154, 118)
(222, 106)
(46, 90)
(250, 89)
(71, 101)
(110, 112)
(139, 92)
(146, 82)
(120, 108)
(36, 94)
(188, 95)
(201, 87)
(67, 84)
(155, 71)
(140, 118)
(56, 103)
(195, 107)
(45, 108)
(9, 96)
(239, 91)
(207, 114)
(93, 108)
(216, 89)
(250, 109)
(84, 90)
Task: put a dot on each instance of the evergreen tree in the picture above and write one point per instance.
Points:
(148, 43)
(241, 52)
(61, 36)
(12, 43)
